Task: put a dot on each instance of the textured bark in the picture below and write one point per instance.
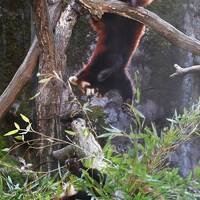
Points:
(25, 71)
(63, 33)
(51, 68)
(48, 101)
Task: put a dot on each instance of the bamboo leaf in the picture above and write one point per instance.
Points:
(26, 119)
(17, 126)
(11, 132)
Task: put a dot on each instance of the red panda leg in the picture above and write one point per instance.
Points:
(114, 62)
(91, 78)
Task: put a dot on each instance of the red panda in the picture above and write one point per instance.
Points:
(118, 38)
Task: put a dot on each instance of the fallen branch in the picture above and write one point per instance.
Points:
(183, 71)
(99, 7)
(25, 71)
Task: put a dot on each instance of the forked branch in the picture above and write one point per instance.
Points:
(180, 71)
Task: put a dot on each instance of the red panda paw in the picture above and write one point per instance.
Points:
(73, 80)
(85, 87)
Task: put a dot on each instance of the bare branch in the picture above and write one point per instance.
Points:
(25, 71)
(99, 7)
(183, 71)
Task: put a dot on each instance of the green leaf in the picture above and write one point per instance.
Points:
(10, 180)
(26, 119)
(5, 149)
(11, 132)
(86, 107)
(28, 128)
(1, 186)
(36, 95)
(106, 135)
(20, 137)
(17, 126)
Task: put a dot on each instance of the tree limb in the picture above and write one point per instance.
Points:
(183, 71)
(63, 32)
(25, 71)
(99, 7)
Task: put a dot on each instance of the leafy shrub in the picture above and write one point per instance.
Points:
(142, 173)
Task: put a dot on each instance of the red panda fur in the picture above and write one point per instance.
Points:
(118, 38)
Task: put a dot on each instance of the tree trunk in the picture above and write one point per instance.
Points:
(49, 88)
(53, 94)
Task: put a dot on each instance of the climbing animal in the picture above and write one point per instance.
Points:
(118, 38)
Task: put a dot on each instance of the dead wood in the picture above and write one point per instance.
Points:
(180, 71)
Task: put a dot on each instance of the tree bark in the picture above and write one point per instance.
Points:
(63, 33)
(49, 88)
(51, 69)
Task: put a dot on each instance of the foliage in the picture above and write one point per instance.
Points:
(142, 173)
